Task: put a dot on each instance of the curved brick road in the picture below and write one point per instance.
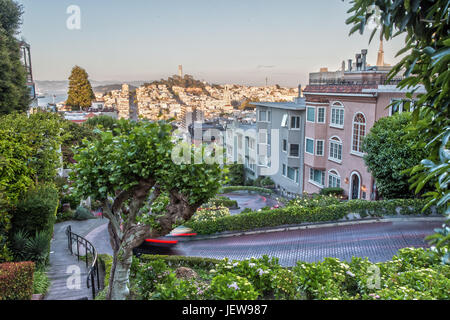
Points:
(378, 241)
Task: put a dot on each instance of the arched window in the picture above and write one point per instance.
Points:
(334, 179)
(359, 132)
(335, 149)
(337, 115)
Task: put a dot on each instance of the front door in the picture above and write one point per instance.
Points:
(355, 186)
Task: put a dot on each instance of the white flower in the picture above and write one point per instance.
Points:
(350, 274)
(234, 286)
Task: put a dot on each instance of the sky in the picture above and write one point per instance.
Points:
(219, 41)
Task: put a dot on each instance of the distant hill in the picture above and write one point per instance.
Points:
(61, 87)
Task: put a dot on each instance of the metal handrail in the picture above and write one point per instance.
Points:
(93, 276)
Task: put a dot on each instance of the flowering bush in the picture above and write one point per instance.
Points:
(210, 214)
(232, 287)
(149, 275)
(16, 281)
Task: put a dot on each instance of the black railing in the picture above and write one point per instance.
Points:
(85, 250)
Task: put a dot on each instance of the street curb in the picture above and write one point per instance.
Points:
(316, 226)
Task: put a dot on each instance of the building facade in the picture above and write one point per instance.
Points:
(339, 114)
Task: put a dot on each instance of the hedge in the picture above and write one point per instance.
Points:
(294, 215)
(37, 210)
(181, 261)
(246, 188)
(222, 202)
(16, 281)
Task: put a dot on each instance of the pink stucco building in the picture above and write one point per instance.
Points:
(341, 108)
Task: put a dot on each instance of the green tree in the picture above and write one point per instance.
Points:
(425, 23)
(129, 172)
(80, 90)
(391, 151)
(236, 175)
(43, 133)
(14, 94)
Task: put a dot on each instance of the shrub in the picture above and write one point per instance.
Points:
(71, 198)
(210, 214)
(36, 212)
(41, 283)
(232, 287)
(332, 191)
(180, 261)
(16, 281)
(35, 248)
(320, 209)
(222, 202)
(149, 275)
(246, 188)
(83, 214)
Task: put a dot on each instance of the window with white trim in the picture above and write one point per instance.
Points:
(295, 122)
(319, 147)
(262, 116)
(284, 145)
(320, 115)
(359, 132)
(317, 176)
(293, 174)
(334, 179)
(309, 146)
(337, 115)
(310, 114)
(335, 149)
(284, 170)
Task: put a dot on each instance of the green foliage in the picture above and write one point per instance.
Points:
(106, 123)
(210, 214)
(332, 191)
(246, 188)
(41, 282)
(32, 146)
(412, 274)
(82, 214)
(36, 211)
(222, 202)
(75, 134)
(16, 281)
(80, 89)
(266, 275)
(236, 175)
(149, 275)
(323, 209)
(232, 287)
(14, 94)
(427, 54)
(391, 149)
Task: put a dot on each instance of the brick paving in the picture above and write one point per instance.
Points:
(378, 241)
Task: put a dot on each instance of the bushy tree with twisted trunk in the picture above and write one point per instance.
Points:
(425, 23)
(129, 171)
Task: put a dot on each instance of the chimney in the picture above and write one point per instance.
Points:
(358, 61)
(364, 59)
(300, 91)
(350, 65)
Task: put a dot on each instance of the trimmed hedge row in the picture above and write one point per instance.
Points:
(245, 188)
(16, 281)
(297, 215)
(180, 261)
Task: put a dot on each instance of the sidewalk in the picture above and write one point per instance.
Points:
(61, 260)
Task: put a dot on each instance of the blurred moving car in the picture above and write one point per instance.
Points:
(150, 246)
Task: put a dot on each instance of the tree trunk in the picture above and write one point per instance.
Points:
(120, 272)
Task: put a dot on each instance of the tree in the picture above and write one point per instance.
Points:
(44, 133)
(14, 94)
(426, 60)
(80, 89)
(129, 173)
(391, 151)
(236, 175)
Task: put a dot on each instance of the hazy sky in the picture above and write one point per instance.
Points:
(220, 41)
